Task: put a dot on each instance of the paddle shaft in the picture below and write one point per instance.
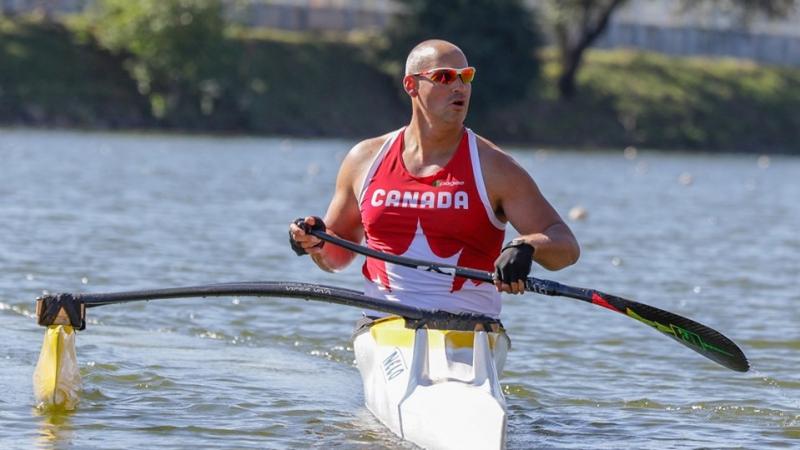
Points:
(698, 337)
(532, 284)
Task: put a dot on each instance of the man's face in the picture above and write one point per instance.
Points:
(446, 102)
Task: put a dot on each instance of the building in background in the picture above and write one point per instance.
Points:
(662, 26)
(295, 15)
(316, 15)
(655, 25)
(49, 8)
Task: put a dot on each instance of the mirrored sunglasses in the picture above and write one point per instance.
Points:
(447, 75)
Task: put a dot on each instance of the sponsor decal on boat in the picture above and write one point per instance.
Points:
(393, 365)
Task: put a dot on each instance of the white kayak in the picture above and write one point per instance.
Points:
(436, 388)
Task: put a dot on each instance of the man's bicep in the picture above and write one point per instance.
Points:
(525, 206)
(343, 216)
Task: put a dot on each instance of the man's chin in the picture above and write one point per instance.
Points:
(455, 117)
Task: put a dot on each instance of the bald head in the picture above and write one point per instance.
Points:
(428, 54)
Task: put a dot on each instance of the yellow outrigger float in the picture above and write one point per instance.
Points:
(57, 377)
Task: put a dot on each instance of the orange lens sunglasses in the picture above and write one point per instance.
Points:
(447, 75)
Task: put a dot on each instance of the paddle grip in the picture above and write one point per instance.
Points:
(544, 287)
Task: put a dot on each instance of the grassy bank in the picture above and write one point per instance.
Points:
(665, 102)
(51, 75)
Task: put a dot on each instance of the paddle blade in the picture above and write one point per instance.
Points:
(698, 337)
(57, 378)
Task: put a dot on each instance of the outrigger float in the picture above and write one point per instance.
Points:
(430, 376)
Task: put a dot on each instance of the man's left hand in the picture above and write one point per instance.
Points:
(513, 266)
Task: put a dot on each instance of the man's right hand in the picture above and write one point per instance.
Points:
(303, 243)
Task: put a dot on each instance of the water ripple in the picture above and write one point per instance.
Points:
(86, 212)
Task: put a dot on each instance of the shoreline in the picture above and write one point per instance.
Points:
(55, 77)
(505, 145)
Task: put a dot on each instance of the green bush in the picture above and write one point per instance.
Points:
(176, 51)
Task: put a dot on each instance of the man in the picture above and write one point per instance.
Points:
(434, 190)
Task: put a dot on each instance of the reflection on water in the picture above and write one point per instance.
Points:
(55, 428)
(713, 238)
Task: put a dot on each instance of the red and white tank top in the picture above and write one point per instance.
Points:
(445, 217)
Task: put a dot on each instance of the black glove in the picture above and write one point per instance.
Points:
(514, 262)
(301, 222)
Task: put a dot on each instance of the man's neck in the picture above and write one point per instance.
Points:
(429, 148)
(432, 141)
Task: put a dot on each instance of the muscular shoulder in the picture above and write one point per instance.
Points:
(502, 175)
(358, 159)
(364, 152)
(496, 164)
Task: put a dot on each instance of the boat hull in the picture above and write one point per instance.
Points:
(436, 388)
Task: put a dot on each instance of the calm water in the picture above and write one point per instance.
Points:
(100, 212)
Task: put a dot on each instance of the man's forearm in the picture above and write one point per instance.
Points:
(555, 248)
(332, 258)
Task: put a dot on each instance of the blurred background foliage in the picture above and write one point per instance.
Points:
(499, 37)
(176, 51)
(186, 65)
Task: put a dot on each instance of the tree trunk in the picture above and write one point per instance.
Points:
(570, 62)
(593, 21)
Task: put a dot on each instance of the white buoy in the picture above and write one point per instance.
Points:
(578, 213)
(541, 155)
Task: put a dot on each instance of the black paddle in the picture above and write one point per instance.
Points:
(698, 337)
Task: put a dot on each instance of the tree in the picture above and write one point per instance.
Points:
(576, 25)
(173, 50)
(499, 37)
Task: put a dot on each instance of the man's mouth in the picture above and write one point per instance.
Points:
(458, 102)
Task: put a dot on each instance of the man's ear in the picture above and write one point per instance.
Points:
(410, 85)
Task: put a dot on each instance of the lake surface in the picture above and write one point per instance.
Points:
(714, 238)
